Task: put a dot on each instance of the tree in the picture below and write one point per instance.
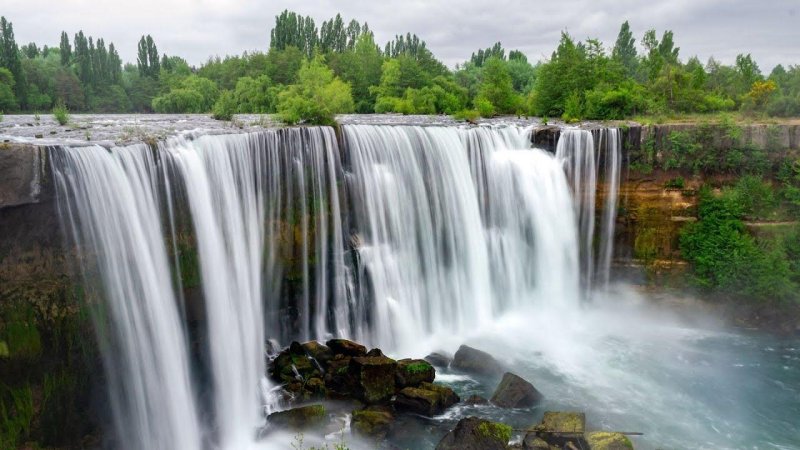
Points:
(10, 59)
(317, 97)
(148, 58)
(65, 50)
(625, 50)
(361, 67)
(8, 102)
(497, 87)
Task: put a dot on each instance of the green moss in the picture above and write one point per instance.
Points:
(494, 430)
(420, 367)
(16, 415)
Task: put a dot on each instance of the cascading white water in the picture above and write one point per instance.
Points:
(457, 225)
(109, 205)
(451, 227)
(611, 144)
(582, 162)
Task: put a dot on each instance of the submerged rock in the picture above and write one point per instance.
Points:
(412, 372)
(301, 418)
(561, 429)
(604, 440)
(476, 400)
(515, 392)
(373, 378)
(473, 433)
(346, 347)
(439, 359)
(469, 359)
(373, 422)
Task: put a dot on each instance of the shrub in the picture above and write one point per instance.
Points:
(317, 97)
(61, 113)
(675, 183)
(726, 259)
(469, 115)
(484, 107)
(225, 107)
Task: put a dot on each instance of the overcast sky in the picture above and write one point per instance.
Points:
(196, 29)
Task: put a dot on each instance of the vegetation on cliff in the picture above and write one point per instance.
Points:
(580, 80)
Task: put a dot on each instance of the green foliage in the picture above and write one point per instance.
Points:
(499, 431)
(61, 113)
(727, 260)
(789, 177)
(193, 95)
(225, 107)
(675, 183)
(255, 95)
(469, 115)
(497, 87)
(484, 107)
(16, 415)
(317, 97)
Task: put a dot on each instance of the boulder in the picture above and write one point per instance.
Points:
(293, 364)
(533, 442)
(412, 372)
(604, 440)
(346, 347)
(427, 400)
(337, 378)
(373, 378)
(439, 359)
(302, 418)
(473, 433)
(515, 392)
(372, 422)
(472, 360)
(322, 353)
(561, 429)
(375, 352)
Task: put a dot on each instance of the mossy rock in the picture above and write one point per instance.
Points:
(372, 422)
(472, 360)
(604, 440)
(373, 378)
(322, 353)
(427, 399)
(515, 392)
(337, 378)
(301, 418)
(473, 433)
(412, 372)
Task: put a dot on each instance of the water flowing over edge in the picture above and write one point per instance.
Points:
(403, 231)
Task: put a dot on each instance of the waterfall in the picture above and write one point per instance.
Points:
(396, 234)
(583, 162)
(109, 205)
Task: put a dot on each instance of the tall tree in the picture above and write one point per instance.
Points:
(625, 49)
(148, 58)
(10, 59)
(65, 49)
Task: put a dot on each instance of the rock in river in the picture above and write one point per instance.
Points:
(473, 433)
(515, 392)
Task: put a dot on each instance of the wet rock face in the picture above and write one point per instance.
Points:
(346, 347)
(515, 392)
(472, 360)
(21, 174)
(439, 359)
(372, 422)
(428, 399)
(473, 433)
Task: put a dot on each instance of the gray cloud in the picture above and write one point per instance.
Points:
(197, 29)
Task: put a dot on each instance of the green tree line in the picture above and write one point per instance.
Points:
(580, 80)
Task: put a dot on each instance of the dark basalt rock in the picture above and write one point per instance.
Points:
(373, 378)
(473, 433)
(472, 360)
(439, 359)
(412, 372)
(293, 364)
(337, 377)
(346, 347)
(515, 392)
(301, 418)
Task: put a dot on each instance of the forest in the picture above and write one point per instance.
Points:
(310, 73)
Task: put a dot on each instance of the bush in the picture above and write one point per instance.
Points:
(317, 97)
(756, 197)
(675, 183)
(225, 107)
(726, 260)
(484, 107)
(470, 115)
(61, 113)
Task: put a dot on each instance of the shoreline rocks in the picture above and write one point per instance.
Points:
(515, 392)
(472, 360)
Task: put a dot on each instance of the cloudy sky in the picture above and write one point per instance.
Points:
(195, 29)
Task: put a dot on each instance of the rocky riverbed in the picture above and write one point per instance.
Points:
(341, 384)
